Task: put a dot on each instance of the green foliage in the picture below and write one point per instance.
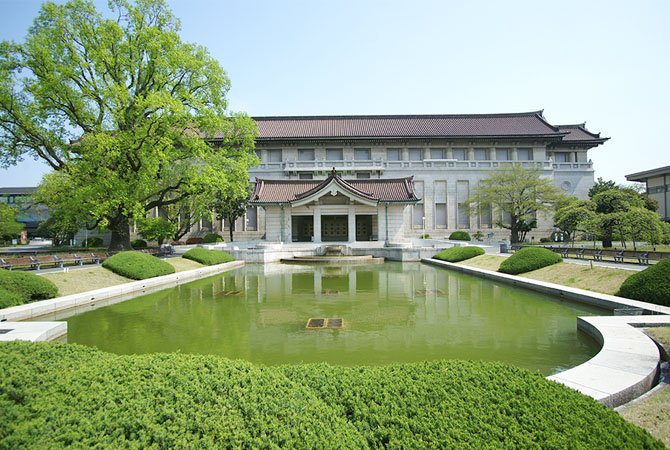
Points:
(529, 258)
(460, 236)
(651, 285)
(230, 204)
(156, 229)
(24, 287)
(136, 101)
(94, 241)
(456, 254)
(601, 186)
(138, 244)
(208, 257)
(478, 235)
(574, 217)
(137, 265)
(211, 238)
(425, 236)
(9, 227)
(60, 395)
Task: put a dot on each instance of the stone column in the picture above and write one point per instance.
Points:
(351, 226)
(317, 224)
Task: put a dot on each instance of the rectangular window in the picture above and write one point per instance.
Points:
(561, 157)
(438, 153)
(482, 154)
(305, 154)
(417, 215)
(274, 155)
(361, 175)
(502, 154)
(460, 154)
(485, 216)
(524, 154)
(305, 176)
(394, 154)
(440, 215)
(415, 154)
(252, 218)
(334, 154)
(463, 212)
(362, 154)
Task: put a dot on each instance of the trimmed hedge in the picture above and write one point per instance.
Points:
(208, 257)
(211, 238)
(137, 265)
(23, 287)
(527, 259)
(460, 236)
(651, 285)
(61, 395)
(456, 254)
(138, 244)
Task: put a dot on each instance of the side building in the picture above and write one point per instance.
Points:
(657, 184)
(443, 156)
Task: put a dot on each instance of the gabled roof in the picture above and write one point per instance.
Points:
(643, 176)
(527, 124)
(579, 133)
(388, 190)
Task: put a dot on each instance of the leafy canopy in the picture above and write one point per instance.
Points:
(120, 107)
(9, 227)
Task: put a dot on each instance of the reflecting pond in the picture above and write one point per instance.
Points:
(392, 312)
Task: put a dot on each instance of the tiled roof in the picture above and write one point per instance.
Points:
(287, 191)
(579, 132)
(17, 190)
(460, 125)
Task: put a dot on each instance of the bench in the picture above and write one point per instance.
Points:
(52, 260)
(18, 263)
(579, 254)
(5, 265)
(563, 252)
(643, 258)
(618, 256)
(598, 255)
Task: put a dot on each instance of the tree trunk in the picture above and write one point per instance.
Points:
(120, 229)
(607, 241)
(230, 228)
(514, 231)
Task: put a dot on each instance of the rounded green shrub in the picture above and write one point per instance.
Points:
(208, 257)
(9, 298)
(93, 242)
(460, 236)
(651, 285)
(28, 286)
(529, 258)
(137, 265)
(138, 244)
(212, 238)
(456, 254)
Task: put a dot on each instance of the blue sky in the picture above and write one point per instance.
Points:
(603, 62)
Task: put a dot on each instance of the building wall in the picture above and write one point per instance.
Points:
(658, 188)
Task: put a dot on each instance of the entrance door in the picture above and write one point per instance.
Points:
(302, 228)
(364, 228)
(334, 228)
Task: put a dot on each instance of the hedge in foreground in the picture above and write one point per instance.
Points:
(651, 285)
(208, 257)
(137, 265)
(528, 259)
(57, 395)
(17, 288)
(460, 236)
(456, 254)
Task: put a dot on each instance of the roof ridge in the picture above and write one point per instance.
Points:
(398, 116)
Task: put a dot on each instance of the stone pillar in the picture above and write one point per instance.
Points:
(317, 224)
(351, 226)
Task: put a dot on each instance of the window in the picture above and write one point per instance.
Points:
(438, 153)
(415, 154)
(481, 154)
(362, 154)
(463, 215)
(274, 155)
(334, 154)
(360, 175)
(524, 154)
(305, 176)
(440, 215)
(561, 157)
(252, 218)
(417, 215)
(305, 154)
(502, 154)
(485, 216)
(394, 154)
(460, 154)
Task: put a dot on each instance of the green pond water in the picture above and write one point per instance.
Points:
(392, 312)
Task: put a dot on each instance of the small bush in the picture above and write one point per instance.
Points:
(528, 259)
(544, 240)
(651, 285)
(27, 286)
(9, 298)
(137, 265)
(425, 236)
(138, 244)
(208, 257)
(93, 242)
(460, 236)
(212, 238)
(194, 240)
(456, 254)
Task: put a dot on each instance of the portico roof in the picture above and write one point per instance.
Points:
(388, 190)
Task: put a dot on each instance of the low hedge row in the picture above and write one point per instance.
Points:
(456, 254)
(460, 236)
(137, 265)
(139, 244)
(17, 288)
(59, 395)
(208, 257)
(651, 285)
(527, 259)
(211, 238)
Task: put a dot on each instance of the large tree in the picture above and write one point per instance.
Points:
(519, 192)
(574, 217)
(120, 107)
(230, 205)
(9, 227)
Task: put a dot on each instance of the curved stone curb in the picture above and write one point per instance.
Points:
(628, 362)
(10, 316)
